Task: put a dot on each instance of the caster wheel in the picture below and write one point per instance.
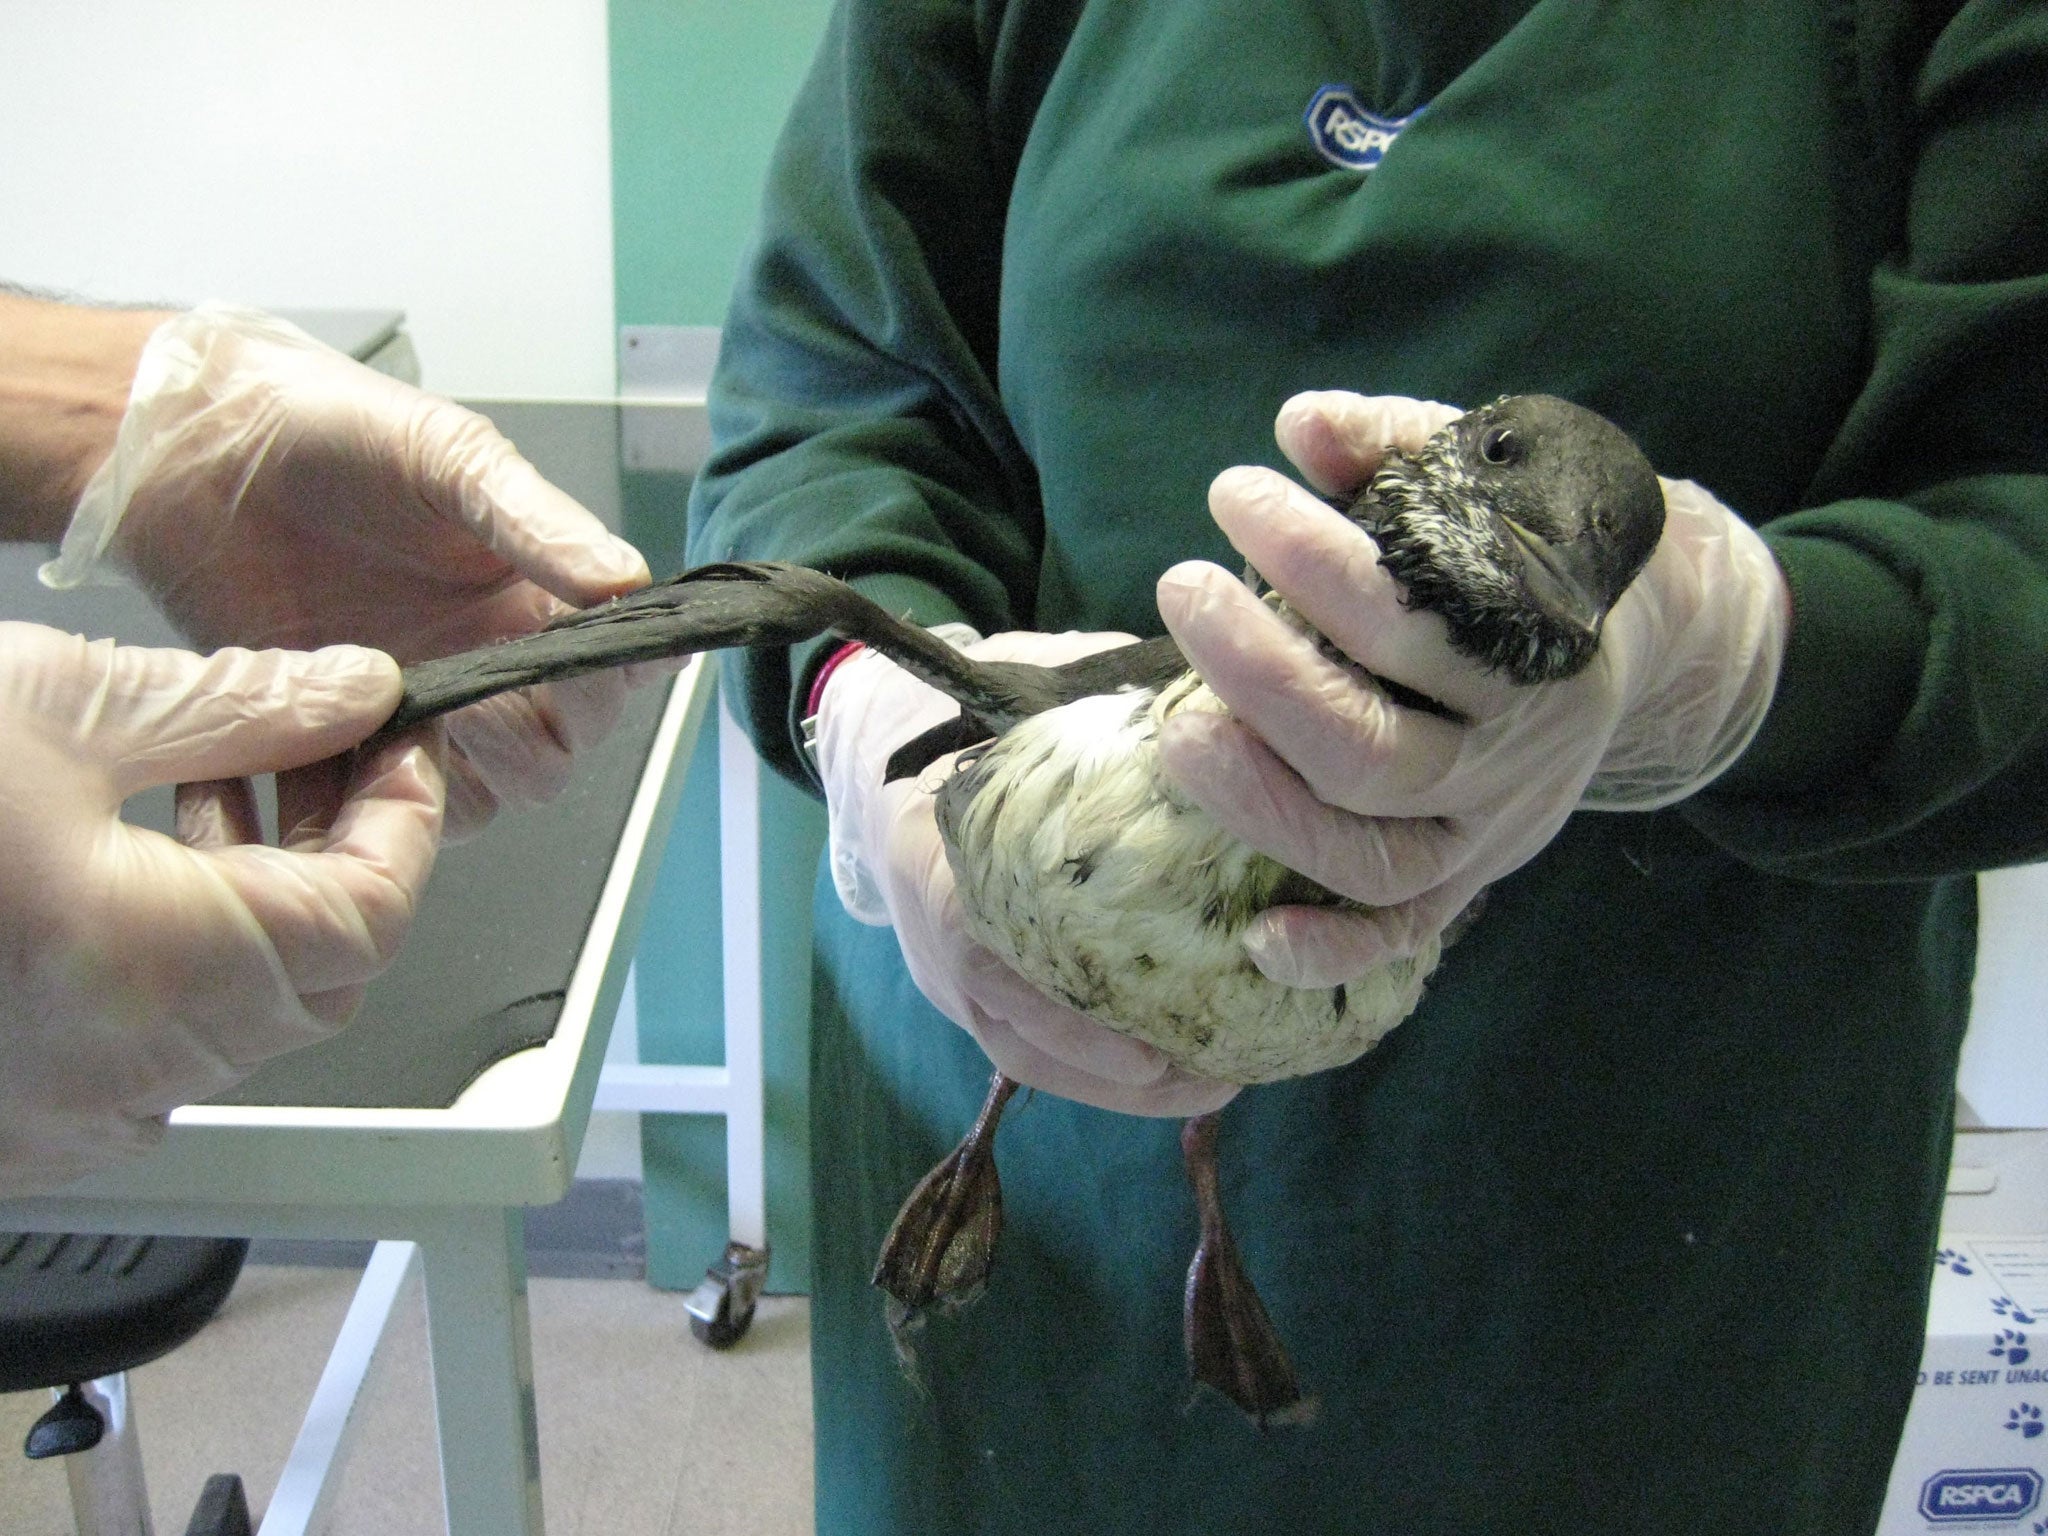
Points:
(724, 1328)
(722, 1308)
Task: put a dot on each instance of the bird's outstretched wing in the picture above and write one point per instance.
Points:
(757, 603)
(1025, 690)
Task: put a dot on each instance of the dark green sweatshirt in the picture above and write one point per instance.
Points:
(1628, 1228)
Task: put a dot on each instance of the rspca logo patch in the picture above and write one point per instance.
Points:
(1346, 134)
(1980, 1498)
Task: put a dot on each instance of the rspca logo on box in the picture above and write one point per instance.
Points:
(1346, 134)
(2004, 1493)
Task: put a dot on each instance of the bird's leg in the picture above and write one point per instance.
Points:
(941, 1245)
(1231, 1342)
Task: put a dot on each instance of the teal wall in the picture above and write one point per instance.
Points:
(698, 92)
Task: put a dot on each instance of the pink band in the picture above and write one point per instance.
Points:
(851, 648)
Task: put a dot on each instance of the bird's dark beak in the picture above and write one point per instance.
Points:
(1563, 580)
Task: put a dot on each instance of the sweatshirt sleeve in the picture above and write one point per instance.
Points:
(1909, 735)
(855, 405)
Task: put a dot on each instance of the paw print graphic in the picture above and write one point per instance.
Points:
(1955, 1262)
(2025, 1420)
(2005, 1306)
(2010, 1346)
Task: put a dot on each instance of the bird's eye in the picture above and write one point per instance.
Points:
(1501, 445)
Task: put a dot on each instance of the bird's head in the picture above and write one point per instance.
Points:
(1521, 523)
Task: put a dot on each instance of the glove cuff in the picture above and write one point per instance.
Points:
(1724, 627)
(832, 664)
(849, 751)
(175, 363)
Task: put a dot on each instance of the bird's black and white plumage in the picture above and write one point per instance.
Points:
(1083, 867)
(1079, 863)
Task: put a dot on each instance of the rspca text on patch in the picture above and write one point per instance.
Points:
(1346, 133)
(1982, 1495)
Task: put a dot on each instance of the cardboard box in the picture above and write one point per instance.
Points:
(1974, 1456)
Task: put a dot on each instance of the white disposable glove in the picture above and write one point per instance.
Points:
(890, 867)
(138, 973)
(1400, 808)
(268, 491)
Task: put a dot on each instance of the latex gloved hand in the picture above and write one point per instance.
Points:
(138, 973)
(1401, 808)
(889, 864)
(267, 491)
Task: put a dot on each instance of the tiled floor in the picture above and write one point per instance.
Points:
(644, 1431)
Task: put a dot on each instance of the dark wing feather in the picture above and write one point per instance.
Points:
(1026, 690)
(712, 607)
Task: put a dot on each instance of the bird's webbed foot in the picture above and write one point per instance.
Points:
(942, 1243)
(1232, 1345)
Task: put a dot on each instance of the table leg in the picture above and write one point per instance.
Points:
(482, 1354)
(302, 1501)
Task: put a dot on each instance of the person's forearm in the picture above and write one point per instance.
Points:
(65, 373)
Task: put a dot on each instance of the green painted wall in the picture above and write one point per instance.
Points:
(699, 91)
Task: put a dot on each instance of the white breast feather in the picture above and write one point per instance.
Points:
(1081, 866)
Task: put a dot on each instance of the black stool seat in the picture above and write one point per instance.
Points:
(74, 1308)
